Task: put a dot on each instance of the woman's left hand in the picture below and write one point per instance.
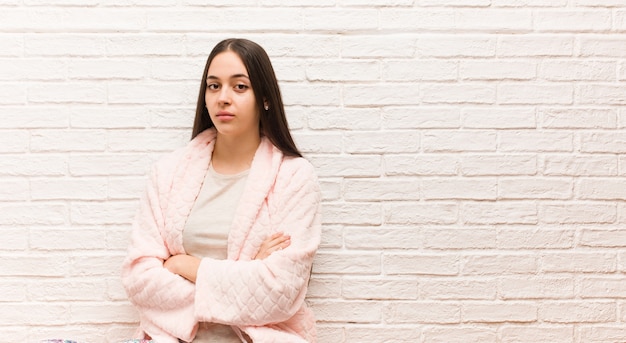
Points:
(183, 265)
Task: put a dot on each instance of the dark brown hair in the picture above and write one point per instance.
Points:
(273, 122)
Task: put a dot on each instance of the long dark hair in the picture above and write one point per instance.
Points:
(273, 122)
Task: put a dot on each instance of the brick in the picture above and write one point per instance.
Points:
(460, 289)
(20, 69)
(577, 312)
(310, 94)
(17, 265)
(324, 287)
(572, 20)
(62, 238)
(518, 288)
(502, 264)
(380, 334)
(13, 94)
(581, 213)
(603, 142)
(352, 213)
(104, 69)
(602, 287)
(408, 264)
(443, 45)
(540, 141)
(98, 265)
(347, 311)
(108, 164)
(602, 333)
(601, 189)
(67, 140)
(535, 94)
(95, 213)
(420, 213)
(498, 164)
(397, 45)
(459, 334)
(148, 93)
(406, 117)
(498, 118)
(601, 46)
(508, 212)
(502, 20)
(461, 188)
(27, 117)
(81, 313)
(57, 188)
(458, 93)
(18, 213)
(74, 19)
(447, 239)
(381, 189)
(455, 3)
(419, 70)
(12, 45)
(33, 165)
(195, 19)
(458, 141)
(331, 118)
(46, 314)
(535, 188)
(580, 165)
(381, 142)
(520, 334)
(142, 140)
(531, 238)
(490, 69)
(13, 291)
(74, 92)
(422, 312)
(106, 118)
(380, 94)
(47, 44)
(499, 313)
(381, 289)
(423, 164)
(408, 19)
(608, 238)
(577, 70)
(578, 262)
(342, 70)
(162, 44)
(66, 290)
(14, 239)
(347, 165)
(588, 118)
(333, 20)
(598, 3)
(168, 117)
(534, 45)
(601, 94)
(331, 189)
(381, 238)
(347, 263)
(14, 141)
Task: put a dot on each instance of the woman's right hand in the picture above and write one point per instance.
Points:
(273, 243)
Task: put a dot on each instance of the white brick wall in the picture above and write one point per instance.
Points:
(472, 155)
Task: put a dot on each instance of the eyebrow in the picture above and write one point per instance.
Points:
(235, 76)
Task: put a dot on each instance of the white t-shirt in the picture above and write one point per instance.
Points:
(206, 234)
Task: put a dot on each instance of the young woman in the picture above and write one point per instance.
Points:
(223, 244)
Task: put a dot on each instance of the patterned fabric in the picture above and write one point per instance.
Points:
(71, 341)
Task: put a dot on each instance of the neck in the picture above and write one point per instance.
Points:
(232, 155)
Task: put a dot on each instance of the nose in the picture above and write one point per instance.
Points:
(224, 96)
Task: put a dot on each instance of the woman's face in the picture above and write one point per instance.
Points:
(230, 98)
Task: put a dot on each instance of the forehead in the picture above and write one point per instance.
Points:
(226, 64)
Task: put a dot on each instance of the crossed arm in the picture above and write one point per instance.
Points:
(187, 265)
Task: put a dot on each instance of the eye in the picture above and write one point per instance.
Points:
(241, 87)
(212, 86)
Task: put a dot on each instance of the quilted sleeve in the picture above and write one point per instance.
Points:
(260, 292)
(164, 300)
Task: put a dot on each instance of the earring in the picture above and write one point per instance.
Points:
(267, 107)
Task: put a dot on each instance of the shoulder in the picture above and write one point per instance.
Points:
(167, 164)
(297, 167)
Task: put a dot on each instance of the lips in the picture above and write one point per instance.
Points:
(224, 116)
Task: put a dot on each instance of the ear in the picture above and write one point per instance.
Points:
(266, 104)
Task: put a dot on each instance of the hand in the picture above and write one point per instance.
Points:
(183, 265)
(273, 243)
